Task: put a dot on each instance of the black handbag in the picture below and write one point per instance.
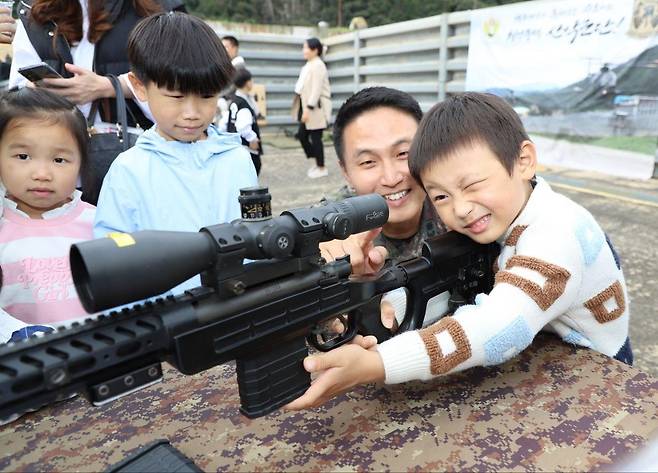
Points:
(105, 147)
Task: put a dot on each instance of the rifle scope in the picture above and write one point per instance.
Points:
(127, 267)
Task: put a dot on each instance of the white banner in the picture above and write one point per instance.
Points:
(573, 67)
(548, 44)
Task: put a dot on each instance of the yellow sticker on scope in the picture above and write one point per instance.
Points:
(121, 239)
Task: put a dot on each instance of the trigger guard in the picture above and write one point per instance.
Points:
(342, 339)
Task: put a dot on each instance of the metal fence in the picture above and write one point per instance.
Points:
(425, 57)
(275, 61)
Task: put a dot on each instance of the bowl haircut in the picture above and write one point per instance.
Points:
(465, 120)
(179, 52)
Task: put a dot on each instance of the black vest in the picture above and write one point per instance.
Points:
(236, 104)
(111, 51)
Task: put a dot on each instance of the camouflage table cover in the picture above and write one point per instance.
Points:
(554, 407)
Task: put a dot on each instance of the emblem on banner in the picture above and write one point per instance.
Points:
(645, 18)
(491, 27)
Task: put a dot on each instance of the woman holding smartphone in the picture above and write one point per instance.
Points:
(83, 41)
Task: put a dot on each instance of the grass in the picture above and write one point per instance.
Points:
(637, 144)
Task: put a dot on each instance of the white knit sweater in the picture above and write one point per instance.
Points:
(557, 273)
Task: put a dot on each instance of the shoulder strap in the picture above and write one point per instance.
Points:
(113, 9)
(122, 117)
(242, 103)
(41, 37)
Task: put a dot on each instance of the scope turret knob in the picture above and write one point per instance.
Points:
(276, 242)
(338, 225)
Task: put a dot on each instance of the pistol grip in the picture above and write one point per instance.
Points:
(272, 378)
(369, 320)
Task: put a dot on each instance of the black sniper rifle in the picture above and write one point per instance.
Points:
(259, 314)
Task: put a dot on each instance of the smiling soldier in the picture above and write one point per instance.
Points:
(372, 132)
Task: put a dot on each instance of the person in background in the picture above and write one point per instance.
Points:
(83, 40)
(43, 146)
(312, 106)
(607, 82)
(242, 115)
(232, 46)
(182, 174)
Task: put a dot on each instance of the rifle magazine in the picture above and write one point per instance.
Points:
(272, 378)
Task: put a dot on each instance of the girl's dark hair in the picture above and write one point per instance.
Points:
(314, 43)
(67, 15)
(179, 52)
(42, 105)
(464, 120)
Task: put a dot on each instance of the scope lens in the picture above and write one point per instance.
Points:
(255, 203)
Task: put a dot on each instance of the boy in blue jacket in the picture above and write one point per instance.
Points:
(182, 174)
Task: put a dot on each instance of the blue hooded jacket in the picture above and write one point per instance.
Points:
(176, 186)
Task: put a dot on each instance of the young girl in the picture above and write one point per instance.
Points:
(43, 144)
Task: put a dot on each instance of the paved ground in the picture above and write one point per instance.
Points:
(626, 209)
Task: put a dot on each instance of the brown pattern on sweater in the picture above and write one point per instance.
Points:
(439, 363)
(556, 279)
(514, 235)
(597, 308)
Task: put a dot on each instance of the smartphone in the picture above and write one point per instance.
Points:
(37, 72)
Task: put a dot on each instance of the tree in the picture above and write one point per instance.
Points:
(309, 12)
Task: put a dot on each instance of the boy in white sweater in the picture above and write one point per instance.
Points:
(558, 270)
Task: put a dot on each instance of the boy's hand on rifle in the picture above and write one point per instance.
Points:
(368, 342)
(388, 316)
(365, 257)
(340, 370)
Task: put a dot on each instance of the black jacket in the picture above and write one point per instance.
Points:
(111, 54)
(236, 104)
